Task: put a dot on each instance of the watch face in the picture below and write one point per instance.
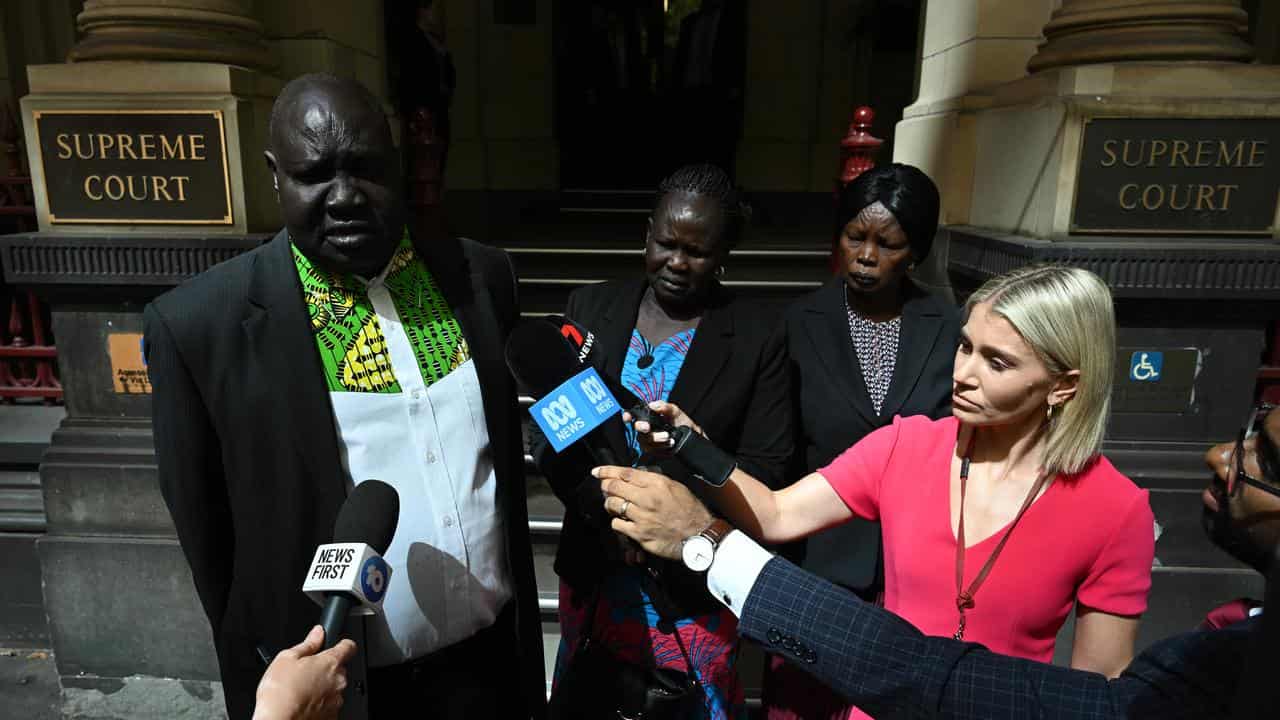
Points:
(697, 553)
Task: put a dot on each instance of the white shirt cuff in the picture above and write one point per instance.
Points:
(737, 564)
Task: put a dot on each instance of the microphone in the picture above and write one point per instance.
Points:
(543, 362)
(544, 353)
(350, 571)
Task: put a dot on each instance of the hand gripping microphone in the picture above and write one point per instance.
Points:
(545, 352)
(350, 571)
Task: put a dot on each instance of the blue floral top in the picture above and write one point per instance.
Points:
(650, 371)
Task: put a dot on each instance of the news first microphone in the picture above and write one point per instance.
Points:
(550, 356)
(349, 576)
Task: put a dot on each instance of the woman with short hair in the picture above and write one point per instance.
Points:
(1001, 518)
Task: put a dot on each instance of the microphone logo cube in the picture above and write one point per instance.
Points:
(351, 569)
(574, 409)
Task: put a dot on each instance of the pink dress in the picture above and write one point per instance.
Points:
(1089, 537)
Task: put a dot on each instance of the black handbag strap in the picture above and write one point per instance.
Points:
(665, 625)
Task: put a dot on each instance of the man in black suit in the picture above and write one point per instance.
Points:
(882, 664)
(344, 349)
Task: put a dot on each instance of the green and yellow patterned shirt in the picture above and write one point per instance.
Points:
(352, 347)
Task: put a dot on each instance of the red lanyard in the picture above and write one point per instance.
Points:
(964, 598)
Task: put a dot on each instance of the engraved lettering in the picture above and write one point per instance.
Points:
(1257, 150)
(1128, 205)
(89, 193)
(126, 145)
(1159, 195)
(196, 144)
(118, 193)
(1204, 196)
(1180, 148)
(1109, 147)
(1230, 159)
(147, 146)
(1158, 149)
(64, 148)
(176, 151)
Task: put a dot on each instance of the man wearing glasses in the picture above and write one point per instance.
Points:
(885, 666)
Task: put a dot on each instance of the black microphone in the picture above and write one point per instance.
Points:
(541, 361)
(350, 571)
(545, 352)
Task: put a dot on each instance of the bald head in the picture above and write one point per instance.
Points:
(336, 173)
(322, 91)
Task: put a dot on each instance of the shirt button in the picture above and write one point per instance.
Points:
(431, 456)
(417, 394)
(448, 521)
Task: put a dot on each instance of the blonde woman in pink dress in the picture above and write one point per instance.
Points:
(999, 520)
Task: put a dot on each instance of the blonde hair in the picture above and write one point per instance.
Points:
(1066, 315)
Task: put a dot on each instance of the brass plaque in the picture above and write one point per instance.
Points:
(135, 166)
(1178, 175)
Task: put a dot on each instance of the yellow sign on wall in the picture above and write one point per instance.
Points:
(128, 366)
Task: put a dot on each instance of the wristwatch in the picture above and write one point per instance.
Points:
(698, 551)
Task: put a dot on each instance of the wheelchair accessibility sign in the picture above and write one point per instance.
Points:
(1146, 365)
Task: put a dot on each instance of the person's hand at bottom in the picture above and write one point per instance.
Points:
(303, 683)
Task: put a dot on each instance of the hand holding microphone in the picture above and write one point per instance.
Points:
(656, 432)
(304, 683)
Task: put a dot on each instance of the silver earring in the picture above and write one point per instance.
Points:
(1048, 415)
(720, 271)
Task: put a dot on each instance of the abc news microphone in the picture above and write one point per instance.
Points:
(551, 357)
(349, 576)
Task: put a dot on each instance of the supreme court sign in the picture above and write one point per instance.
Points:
(134, 166)
(1178, 176)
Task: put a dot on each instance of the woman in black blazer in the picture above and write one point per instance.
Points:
(675, 334)
(866, 346)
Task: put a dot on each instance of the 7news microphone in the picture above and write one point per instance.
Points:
(349, 574)
(545, 354)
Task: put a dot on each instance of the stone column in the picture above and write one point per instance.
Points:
(1084, 32)
(215, 31)
(128, 633)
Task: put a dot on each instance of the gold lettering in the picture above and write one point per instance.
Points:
(175, 151)
(119, 191)
(160, 184)
(1232, 159)
(1173, 198)
(1257, 149)
(1125, 154)
(125, 142)
(144, 187)
(182, 188)
(1158, 149)
(147, 146)
(196, 143)
(1226, 195)
(1204, 195)
(1180, 148)
(64, 149)
(1159, 197)
(105, 143)
(1109, 147)
(89, 193)
(1128, 206)
(1202, 153)
(80, 153)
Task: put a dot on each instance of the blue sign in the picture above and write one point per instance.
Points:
(574, 409)
(1146, 365)
(373, 579)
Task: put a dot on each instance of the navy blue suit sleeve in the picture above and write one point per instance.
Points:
(889, 669)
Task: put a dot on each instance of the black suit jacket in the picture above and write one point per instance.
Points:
(248, 452)
(733, 383)
(882, 664)
(834, 410)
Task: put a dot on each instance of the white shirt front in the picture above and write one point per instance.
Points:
(450, 574)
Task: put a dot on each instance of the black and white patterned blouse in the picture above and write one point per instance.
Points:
(876, 344)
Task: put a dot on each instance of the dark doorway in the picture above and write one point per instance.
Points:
(646, 85)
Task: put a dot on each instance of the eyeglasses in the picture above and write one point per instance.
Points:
(1252, 428)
